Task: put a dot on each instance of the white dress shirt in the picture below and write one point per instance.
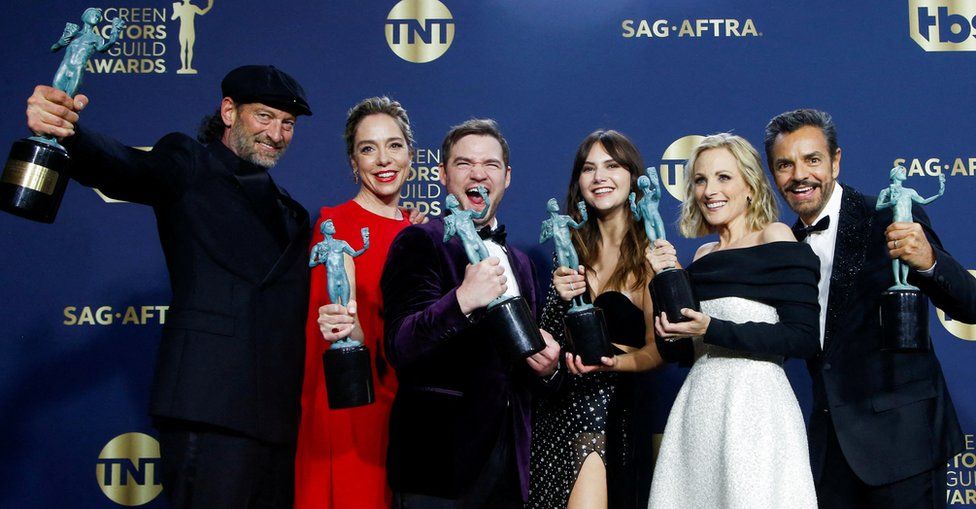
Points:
(511, 284)
(823, 244)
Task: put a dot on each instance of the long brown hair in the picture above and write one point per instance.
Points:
(586, 240)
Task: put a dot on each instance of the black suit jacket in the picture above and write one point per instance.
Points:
(455, 391)
(891, 411)
(233, 344)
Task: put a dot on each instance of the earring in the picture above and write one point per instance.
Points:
(749, 200)
(355, 176)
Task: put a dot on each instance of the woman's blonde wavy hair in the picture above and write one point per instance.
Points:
(762, 209)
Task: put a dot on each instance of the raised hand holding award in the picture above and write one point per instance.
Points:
(509, 317)
(586, 327)
(34, 178)
(671, 288)
(348, 371)
(904, 308)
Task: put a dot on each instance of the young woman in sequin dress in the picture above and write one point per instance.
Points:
(582, 442)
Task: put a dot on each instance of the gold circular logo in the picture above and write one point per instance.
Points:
(419, 31)
(672, 167)
(958, 329)
(128, 469)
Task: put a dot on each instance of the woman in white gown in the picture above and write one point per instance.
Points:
(735, 437)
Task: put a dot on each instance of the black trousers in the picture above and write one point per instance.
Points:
(497, 486)
(841, 488)
(209, 467)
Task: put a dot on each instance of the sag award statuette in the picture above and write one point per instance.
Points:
(586, 328)
(671, 288)
(508, 317)
(904, 308)
(348, 373)
(34, 178)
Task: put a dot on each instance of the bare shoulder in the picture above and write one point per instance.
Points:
(776, 232)
(704, 249)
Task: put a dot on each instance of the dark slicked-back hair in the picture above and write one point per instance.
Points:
(790, 121)
(478, 127)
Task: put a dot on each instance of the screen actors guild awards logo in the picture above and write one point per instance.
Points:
(128, 469)
(419, 31)
(672, 166)
(186, 12)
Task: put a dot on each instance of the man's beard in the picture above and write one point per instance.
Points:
(244, 143)
(810, 208)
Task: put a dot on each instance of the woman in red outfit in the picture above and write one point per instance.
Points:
(341, 455)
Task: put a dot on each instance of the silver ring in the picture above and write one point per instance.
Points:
(571, 287)
(896, 244)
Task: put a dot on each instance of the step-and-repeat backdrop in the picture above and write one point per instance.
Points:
(84, 299)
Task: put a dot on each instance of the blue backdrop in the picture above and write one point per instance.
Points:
(85, 297)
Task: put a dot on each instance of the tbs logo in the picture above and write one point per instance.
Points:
(943, 25)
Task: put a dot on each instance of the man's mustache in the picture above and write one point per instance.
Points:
(801, 183)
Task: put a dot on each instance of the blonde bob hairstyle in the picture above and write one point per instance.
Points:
(762, 208)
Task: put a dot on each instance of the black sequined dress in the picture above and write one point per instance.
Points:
(591, 414)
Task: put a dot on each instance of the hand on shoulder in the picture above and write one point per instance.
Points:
(776, 232)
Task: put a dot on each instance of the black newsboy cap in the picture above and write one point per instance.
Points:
(265, 84)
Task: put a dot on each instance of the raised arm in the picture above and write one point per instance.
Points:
(129, 174)
(206, 9)
(655, 183)
(581, 206)
(70, 29)
(925, 201)
(113, 36)
(348, 249)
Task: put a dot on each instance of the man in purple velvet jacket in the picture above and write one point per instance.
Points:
(459, 429)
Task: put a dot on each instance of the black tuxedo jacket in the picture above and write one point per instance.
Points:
(455, 391)
(233, 344)
(891, 411)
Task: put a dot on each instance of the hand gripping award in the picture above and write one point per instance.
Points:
(348, 373)
(586, 327)
(34, 178)
(671, 288)
(904, 308)
(509, 317)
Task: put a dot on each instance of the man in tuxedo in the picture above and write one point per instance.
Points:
(225, 396)
(459, 428)
(883, 424)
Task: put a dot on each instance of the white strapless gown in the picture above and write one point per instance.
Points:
(735, 436)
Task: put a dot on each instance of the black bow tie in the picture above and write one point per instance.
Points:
(497, 235)
(802, 232)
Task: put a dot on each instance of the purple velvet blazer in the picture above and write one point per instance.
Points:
(455, 391)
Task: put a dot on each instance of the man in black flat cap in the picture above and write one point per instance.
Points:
(225, 397)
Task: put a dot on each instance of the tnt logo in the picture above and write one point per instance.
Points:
(419, 31)
(672, 166)
(128, 469)
(943, 25)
